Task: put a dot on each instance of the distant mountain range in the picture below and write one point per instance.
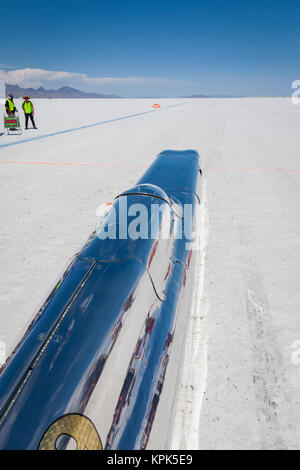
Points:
(69, 92)
(64, 92)
(212, 96)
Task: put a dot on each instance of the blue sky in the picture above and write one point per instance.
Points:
(172, 48)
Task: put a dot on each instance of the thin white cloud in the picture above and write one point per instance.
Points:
(35, 78)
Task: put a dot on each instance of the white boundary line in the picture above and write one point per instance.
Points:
(194, 375)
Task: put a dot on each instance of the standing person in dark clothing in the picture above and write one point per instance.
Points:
(28, 109)
(10, 105)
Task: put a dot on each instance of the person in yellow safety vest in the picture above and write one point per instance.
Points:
(10, 105)
(28, 109)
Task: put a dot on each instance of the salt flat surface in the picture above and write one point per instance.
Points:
(245, 393)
